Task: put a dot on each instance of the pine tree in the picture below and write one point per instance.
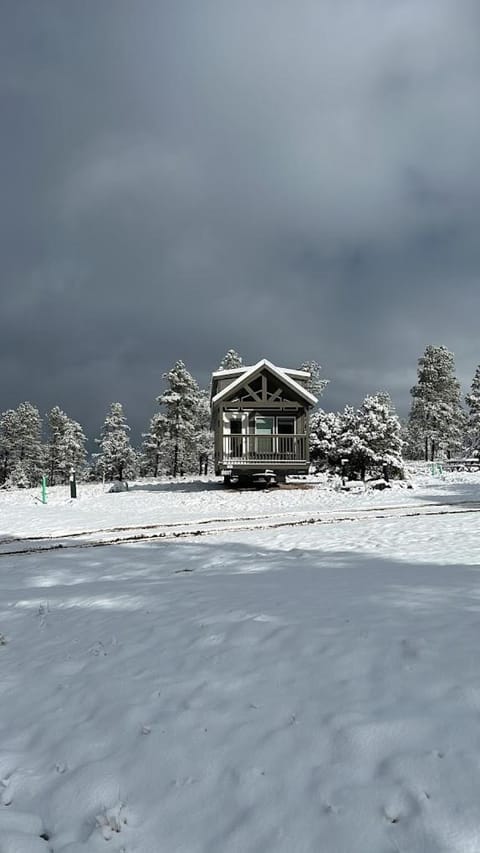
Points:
(65, 446)
(325, 429)
(117, 457)
(155, 445)
(180, 401)
(436, 416)
(203, 435)
(473, 423)
(371, 437)
(414, 440)
(8, 434)
(22, 454)
(73, 451)
(19, 476)
(231, 360)
(31, 452)
(56, 425)
(380, 431)
(349, 447)
(316, 385)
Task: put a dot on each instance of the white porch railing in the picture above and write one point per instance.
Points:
(264, 448)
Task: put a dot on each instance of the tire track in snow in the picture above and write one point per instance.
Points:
(166, 533)
(10, 540)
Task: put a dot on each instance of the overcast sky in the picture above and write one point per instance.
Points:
(297, 180)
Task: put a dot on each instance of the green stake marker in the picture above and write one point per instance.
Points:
(44, 490)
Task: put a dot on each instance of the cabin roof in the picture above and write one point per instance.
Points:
(236, 371)
(285, 375)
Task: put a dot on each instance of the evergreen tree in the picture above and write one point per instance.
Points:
(19, 476)
(325, 430)
(56, 426)
(73, 450)
(21, 452)
(436, 416)
(473, 423)
(180, 402)
(414, 440)
(371, 437)
(117, 457)
(8, 438)
(65, 447)
(380, 431)
(203, 435)
(231, 360)
(316, 385)
(349, 447)
(155, 445)
(31, 452)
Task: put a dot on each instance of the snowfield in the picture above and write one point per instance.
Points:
(291, 671)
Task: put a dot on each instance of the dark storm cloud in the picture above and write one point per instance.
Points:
(294, 180)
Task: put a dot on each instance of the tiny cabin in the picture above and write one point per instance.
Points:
(260, 422)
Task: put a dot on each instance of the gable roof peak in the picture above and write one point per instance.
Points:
(281, 373)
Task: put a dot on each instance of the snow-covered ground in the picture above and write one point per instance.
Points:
(302, 677)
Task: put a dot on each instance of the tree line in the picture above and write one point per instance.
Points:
(372, 438)
(179, 440)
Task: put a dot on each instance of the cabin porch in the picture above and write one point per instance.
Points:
(263, 449)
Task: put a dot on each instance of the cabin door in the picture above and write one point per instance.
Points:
(234, 434)
(286, 437)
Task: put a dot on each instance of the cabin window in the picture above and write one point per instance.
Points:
(285, 425)
(264, 427)
(274, 436)
(280, 425)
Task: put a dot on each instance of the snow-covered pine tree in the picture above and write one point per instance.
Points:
(473, 423)
(325, 430)
(413, 440)
(371, 437)
(56, 427)
(73, 452)
(316, 385)
(21, 450)
(203, 435)
(180, 402)
(117, 458)
(436, 415)
(155, 445)
(230, 360)
(8, 434)
(65, 446)
(380, 430)
(31, 451)
(349, 445)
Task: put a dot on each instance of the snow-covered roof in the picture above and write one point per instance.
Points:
(239, 375)
(236, 371)
(232, 371)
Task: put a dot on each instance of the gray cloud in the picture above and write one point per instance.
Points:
(295, 180)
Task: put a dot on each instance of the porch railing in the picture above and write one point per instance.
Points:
(264, 448)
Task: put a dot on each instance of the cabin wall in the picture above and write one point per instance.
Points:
(220, 384)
